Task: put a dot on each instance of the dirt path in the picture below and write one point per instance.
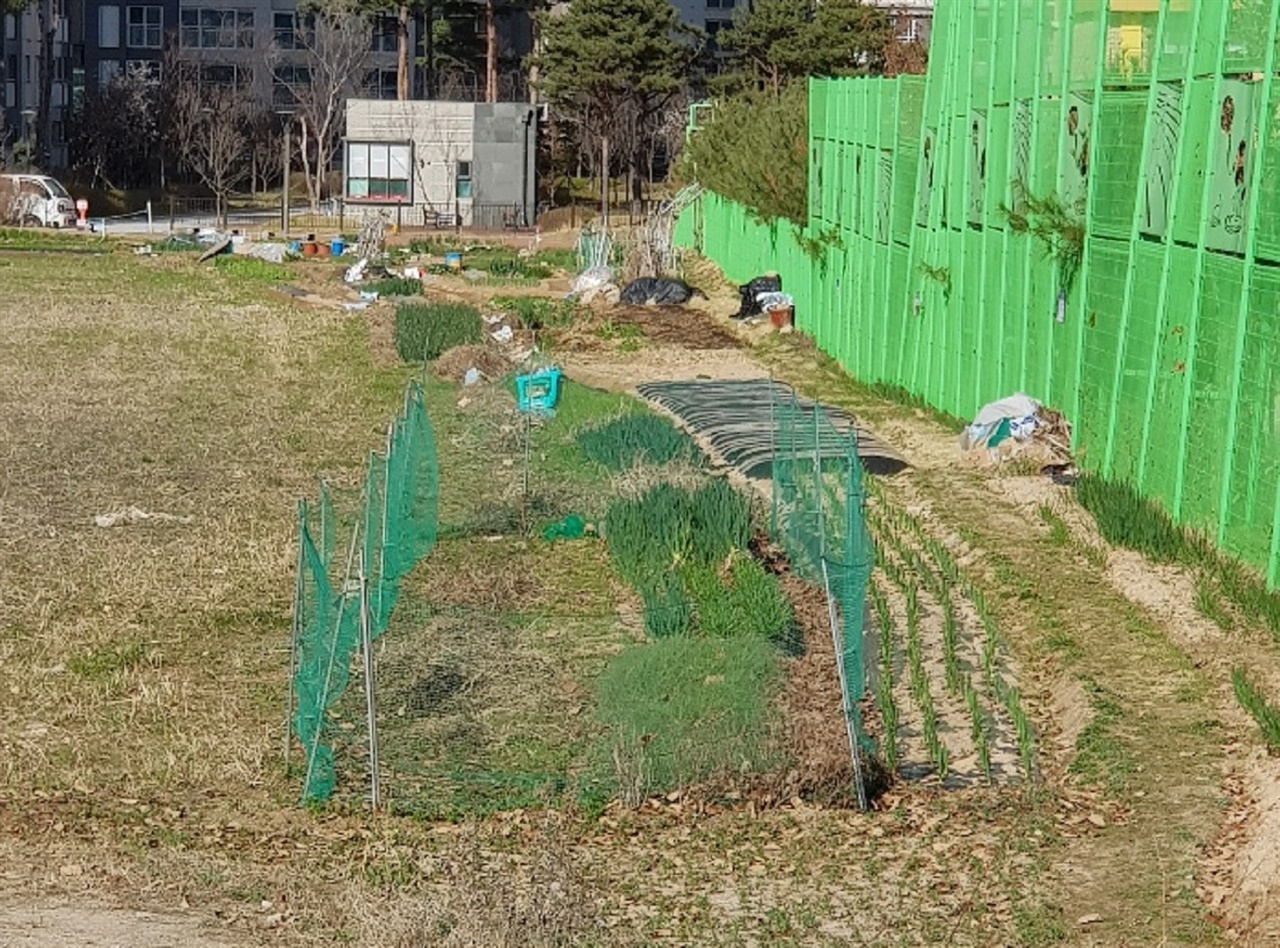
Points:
(64, 923)
(1131, 685)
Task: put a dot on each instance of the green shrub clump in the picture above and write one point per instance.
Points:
(680, 710)
(394, 286)
(670, 527)
(1126, 518)
(251, 268)
(747, 601)
(637, 438)
(1255, 702)
(425, 330)
(538, 312)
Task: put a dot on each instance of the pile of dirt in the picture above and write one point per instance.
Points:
(676, 325)
(454, 363)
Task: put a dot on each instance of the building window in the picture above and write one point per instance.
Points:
(108, 27)
(148, 69)
(59, 138)
(713, 30)
(10, 26)
(217, 29)
(108, 69)
(285, 82)
(145, 27)
(720, 4)
(386, 34)
(463, 186)
(382, 84)
(379, 172)
(294, 30)
(226, 75)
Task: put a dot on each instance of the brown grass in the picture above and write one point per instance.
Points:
(144, 668)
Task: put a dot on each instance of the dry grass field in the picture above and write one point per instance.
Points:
(158, 421)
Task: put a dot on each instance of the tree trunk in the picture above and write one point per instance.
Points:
(402, 50)
(48, 30)
(490, 53)
(430, 20)
(313, 186)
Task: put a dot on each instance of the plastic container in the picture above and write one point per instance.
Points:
(781, 315)
(539, 391)
(453, 260)
(338, 247)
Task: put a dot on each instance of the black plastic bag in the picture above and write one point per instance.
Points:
(750, 305)
(660, 290)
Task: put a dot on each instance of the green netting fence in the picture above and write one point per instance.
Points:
(819, 517)
(341, 606)
(1078, 201)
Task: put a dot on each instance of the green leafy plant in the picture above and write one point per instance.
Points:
(636, 438)
(939, 275)
(1126, 518)
(1255, 702)
(1058, 226)
(1209, 605)
(538, 312)
(667, 609)
(251, 268)
(394, 286)
(692, 707)
(670, 527)
(425, 330)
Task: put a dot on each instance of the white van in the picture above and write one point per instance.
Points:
(35, 200)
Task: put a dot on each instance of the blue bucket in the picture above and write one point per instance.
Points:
(453, 260)
(295, 247)
(338, 246)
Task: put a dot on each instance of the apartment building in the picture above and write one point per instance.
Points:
(257, 45)
(21, 78)
(912, 19)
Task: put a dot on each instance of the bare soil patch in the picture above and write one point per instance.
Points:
(684, 326)
(63, 923)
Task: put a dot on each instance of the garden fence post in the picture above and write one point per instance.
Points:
(371, 717)
(294, 633)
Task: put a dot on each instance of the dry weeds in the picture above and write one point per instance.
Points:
(144, 666)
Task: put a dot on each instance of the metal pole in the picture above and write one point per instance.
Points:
(366, 646)
(284, 173)
(604, 186)
(149, 218)
(817, 474)
(294, 634)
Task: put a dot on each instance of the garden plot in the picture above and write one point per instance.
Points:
(945, 690)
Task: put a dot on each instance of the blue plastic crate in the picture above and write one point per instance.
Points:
(539, 391)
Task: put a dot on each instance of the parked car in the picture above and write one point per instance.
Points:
(35, 200)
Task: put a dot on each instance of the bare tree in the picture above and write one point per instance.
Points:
(114, 133)
(337, 54)
(209, 129)
(265, 136)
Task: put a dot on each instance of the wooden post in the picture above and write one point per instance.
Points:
(604, 189)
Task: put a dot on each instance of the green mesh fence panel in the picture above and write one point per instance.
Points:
(1157, 125)
(818, 516)
(394, 527)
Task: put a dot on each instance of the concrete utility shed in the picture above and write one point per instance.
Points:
(443, 162)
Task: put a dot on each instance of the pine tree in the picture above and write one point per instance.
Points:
(779, 41)
(615, 64)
